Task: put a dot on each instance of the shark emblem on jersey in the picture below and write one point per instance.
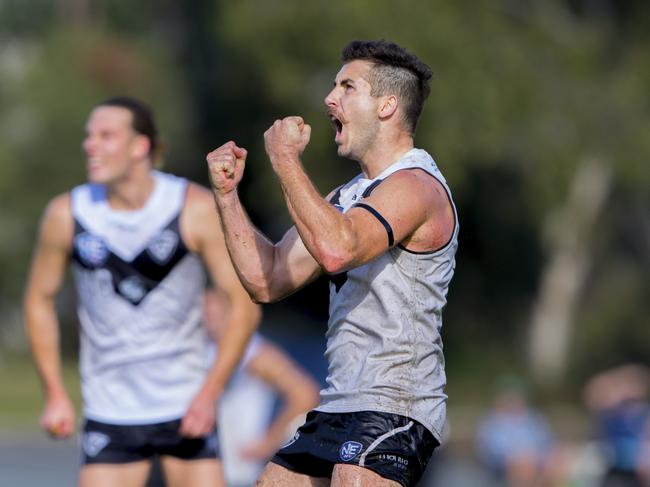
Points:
(132, 289)
(92, 249)
(163, 246)
(349, 450)
(93, 442)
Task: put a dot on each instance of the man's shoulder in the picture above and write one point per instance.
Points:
(198, 196)
(56, 223)
(59, 207)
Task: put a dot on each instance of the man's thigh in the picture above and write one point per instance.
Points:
(192, 473)
(346, 475)
(275, 475)
(132, 474)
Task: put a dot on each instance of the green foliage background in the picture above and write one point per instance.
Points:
(523, 92)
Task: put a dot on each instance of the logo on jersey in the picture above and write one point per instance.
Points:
(163, 246)
(92, 249)
(349, 450)
(93, 442)
(132, 289)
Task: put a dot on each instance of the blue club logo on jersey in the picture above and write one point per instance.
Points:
(162, 247)
(349, 450)
(132, 288)
(92, 249)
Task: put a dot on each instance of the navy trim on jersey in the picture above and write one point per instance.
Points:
(371, 188)
(381, 219)
(336, 196)
(335, 199)
(133, 280)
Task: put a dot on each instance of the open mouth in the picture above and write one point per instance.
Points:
(337, 124)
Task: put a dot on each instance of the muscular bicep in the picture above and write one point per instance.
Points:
(409, 208)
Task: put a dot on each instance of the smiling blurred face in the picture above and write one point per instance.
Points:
(111, 145)
(353, 111)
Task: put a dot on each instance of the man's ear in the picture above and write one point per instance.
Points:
(140, 147)
(388, 106)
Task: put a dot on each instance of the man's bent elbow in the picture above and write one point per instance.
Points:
(334, 264)
(260, 295)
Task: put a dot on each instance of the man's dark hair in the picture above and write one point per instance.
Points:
(142, 121)
(395, 71)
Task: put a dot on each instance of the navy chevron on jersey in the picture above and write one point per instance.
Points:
(133, 279)
(384, 347)
(143, 349)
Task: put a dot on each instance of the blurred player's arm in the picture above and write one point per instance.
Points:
(268, 271)
(205, 236)
(42, 326)
(298, 392)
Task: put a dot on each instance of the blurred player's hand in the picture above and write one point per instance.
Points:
(262, 449)
(58, 417)
(226, 167)
(286, 140)
(200, 419)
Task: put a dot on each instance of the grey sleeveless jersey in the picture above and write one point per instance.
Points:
(144, 352)
(384, 348)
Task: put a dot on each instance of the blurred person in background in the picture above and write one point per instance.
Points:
(249, 432)
(139, 241)
(514, 441)
(618, 398)
(387, 239)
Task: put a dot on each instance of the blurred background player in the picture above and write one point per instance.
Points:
(618, 399)
(249, 431)
(514, 440)
(139, 241)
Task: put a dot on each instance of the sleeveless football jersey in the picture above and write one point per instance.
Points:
(384, 348)
(143, 350)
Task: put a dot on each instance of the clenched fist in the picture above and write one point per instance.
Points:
(286, 140)
(226, 167)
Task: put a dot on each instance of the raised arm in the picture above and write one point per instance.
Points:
(41, 322)
(409, 207)
(268, 271)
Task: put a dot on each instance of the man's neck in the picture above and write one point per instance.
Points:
(132, 192)
(383, 154)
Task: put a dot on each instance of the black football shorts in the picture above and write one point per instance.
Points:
(109, 443)
(395, 447)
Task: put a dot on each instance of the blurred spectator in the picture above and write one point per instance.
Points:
(514, 440)
(619, 399)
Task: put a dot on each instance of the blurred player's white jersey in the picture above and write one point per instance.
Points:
(143, 347)
(383, 340)
(245, 411)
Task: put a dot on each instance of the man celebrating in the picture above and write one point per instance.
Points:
(387, 239)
